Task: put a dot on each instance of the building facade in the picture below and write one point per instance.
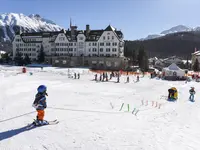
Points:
(65, 44)
(195, 56)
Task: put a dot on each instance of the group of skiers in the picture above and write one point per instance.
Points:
(104, 77)
(77, 76)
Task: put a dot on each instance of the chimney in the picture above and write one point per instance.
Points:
(87, 30)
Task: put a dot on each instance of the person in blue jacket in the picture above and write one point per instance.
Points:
(192, 92)
(40, 104)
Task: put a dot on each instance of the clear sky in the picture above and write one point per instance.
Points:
(136, 18)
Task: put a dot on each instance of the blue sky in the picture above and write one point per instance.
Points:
(136, 18)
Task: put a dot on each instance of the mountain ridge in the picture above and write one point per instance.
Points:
(10, 23)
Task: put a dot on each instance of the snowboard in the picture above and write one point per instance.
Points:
(32, 125)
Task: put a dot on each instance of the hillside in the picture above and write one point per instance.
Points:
(181, 44)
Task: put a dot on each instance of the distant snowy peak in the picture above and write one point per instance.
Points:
(153, 36)
(176, 29)
(179, 28)
(11, 22)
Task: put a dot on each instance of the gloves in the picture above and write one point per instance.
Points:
(35, 106)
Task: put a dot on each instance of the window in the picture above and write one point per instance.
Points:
(57, 44)
(89, 44)
(74, 49)
(94, 44)
(107, 55)
(104, 37)
(101, 44)
(80, 38)
(94, 49)
(101, 49)
(101, 55)
(112, 37)
(114, 49)
(107, 44)
(74, 44)
(89, 49)
(107, 49)
(114, 44)
(114, 55)
(61, 38)
(108, 37)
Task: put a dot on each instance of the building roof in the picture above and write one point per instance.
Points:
(110, 28)
(172, 58)
(92, 35)
(173, 66)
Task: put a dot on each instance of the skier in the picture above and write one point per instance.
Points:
(138, 78)
(95, 77)
(192, 92)
(103, 76)
(106, 76)
(100, 77)
(111, 75)
(118, 78)
(74, 75)
(78, 75)
(40, 104)
(127, 80)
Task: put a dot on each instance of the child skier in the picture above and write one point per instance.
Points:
(192, 92)
(40, 104)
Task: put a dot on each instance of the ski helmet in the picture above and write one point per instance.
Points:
(42, 89)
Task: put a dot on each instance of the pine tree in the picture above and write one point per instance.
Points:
(6, 58)
(196, 65)
(187, 64)
(19, 59)
(143, 61)
(27, 60)
(140, 57)
(41, 56)
(146, 63)
(134, 57)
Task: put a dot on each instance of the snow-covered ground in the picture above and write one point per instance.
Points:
(89, 114)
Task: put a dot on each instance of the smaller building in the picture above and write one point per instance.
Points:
(172, 59)
(173, 72)
(161, 63)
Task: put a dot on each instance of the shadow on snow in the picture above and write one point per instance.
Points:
(10, 133)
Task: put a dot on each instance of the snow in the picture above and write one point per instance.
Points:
(32, 22)
(89, 114)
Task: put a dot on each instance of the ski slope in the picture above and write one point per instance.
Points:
(89, 114)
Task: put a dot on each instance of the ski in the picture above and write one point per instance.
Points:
(52, 122)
